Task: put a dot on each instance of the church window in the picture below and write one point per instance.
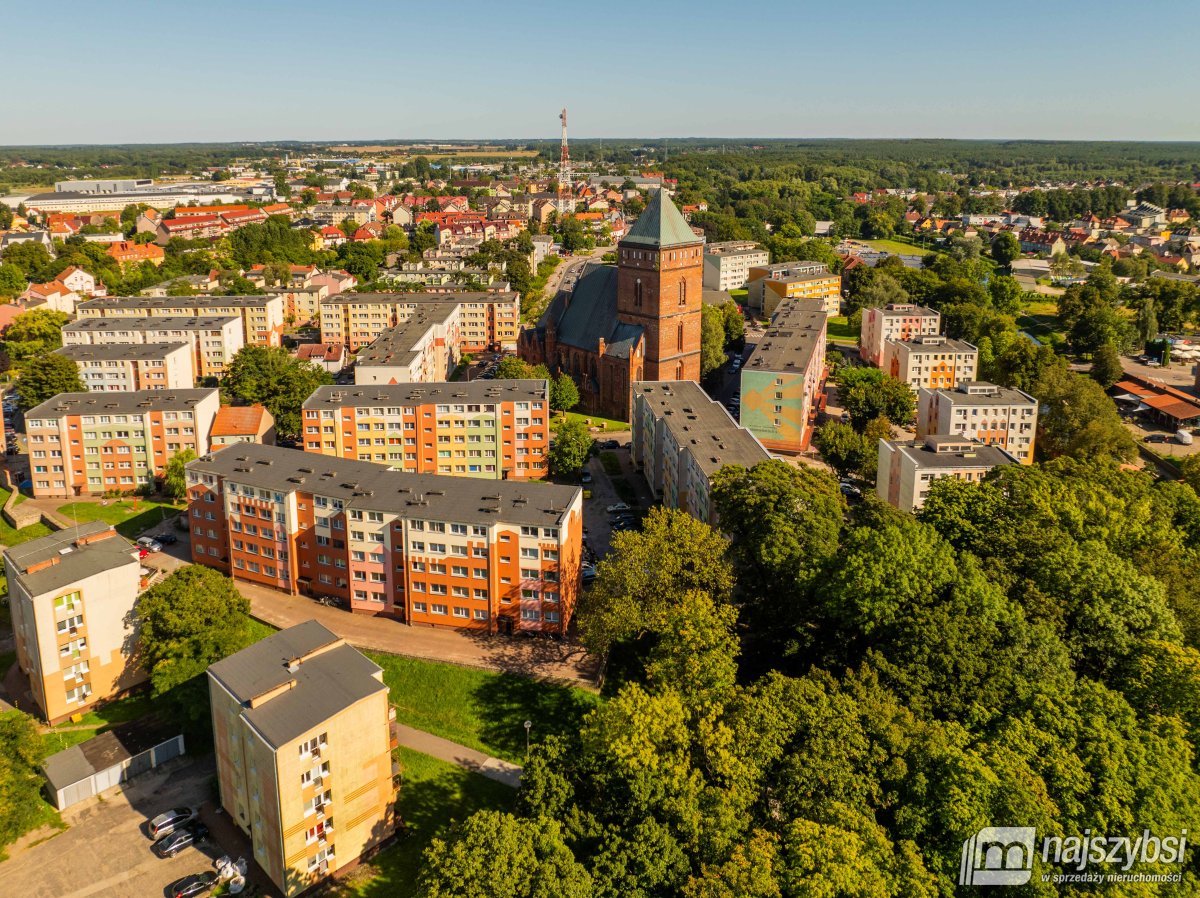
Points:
(637, 293)
(683, 293)
(679, 337)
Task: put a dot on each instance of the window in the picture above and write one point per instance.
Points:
(437, 608)
(312, 746)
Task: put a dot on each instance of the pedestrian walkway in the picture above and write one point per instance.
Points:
(459, 755)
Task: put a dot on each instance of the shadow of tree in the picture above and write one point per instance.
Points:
(508, 700)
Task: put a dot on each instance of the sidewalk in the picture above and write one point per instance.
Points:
(534, 657)
(453, 753)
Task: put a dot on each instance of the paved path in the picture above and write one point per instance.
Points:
(453, 753)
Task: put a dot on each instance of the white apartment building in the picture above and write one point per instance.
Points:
(727, 265)
(213, 341)
(983, 412)
(120, 367)
(898, 321)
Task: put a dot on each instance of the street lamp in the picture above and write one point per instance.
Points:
(528, 725)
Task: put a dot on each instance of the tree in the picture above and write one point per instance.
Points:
(712, 339)
(12, 280)
(841, 446)
(570, 449)
(269, 376)
(868, 393)
(502, 856)
(1006, 248)
(513, 367)
(21, 753)
(1191, 471)
(34, 333)
(1078, 419)
(735, 323)
(45, 377)
(175, 477)
(564, 395)
(1106, 365)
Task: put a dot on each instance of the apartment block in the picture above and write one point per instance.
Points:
(782, 382)
(493, 429)
(727, 265)
(907, 468)
(931, 362)
(496, 556)
(214, 341)
(769, 285)
(423, 348)
(983, 412)
(72, 596)
(303, 738)
(897, 321)
(89, 444)
(263, 318)
(138, 366)
(681, 438)
(486, 321)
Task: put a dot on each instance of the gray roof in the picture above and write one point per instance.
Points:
(794, 271)
(936, 343)
(122, 742)
(701, 425)
(476, 391)
(89, 352)
(376, 487)
(151, 323)
(661, 225)
(326, 676)
(589, 313)
(395, 345)
(716, 297)
(414, 298)
(796, 331)
(176, 302)
(953, 452)
(119, 402)
(979, 392)
(71, 562)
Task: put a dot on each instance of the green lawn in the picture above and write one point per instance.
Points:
(11, 537)
(433, 796)
(97, 721)
(131, 517)
(1041, 320)
(608, 425)
(900, 248)
(478, 708)
(840, 331)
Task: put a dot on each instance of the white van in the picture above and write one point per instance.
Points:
(1184, 437)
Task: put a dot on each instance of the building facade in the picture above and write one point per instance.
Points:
(121, 367)
(495, 430)
(495, 556)
(485, 321)
(92, 444)
(214, 341)
(983, 412)
(423, 348)
(782, 382)
(303, 740)
(639, 320)
(908, 468)
(263, 318)
(72, 597)
(769, 285)
(932, 363)
(898, 321)
(681, 438)
(727, 265)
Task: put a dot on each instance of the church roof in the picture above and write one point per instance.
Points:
(661, 225)
(592, 314)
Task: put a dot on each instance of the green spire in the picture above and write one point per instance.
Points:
(661, 225)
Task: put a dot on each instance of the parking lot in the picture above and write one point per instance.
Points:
(105, 850)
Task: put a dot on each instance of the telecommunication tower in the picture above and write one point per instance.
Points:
(566, 201)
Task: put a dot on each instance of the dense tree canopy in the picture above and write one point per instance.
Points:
(45, 376)
(269, 376)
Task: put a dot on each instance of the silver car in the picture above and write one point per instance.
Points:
(169, 821)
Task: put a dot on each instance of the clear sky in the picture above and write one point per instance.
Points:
(128, 71)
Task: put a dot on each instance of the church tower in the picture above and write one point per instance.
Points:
(660, 286)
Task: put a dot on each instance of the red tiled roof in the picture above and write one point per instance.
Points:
(328, 352)
(238, 420)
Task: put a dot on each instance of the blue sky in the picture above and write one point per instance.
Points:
(171, 70)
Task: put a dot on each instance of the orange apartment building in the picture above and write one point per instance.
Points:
(930, 362)
(263, 318)
(72, 595)
(89, 444)
(493, 429)
(120, 367)
(487, 321)
(896, 321)
(213, 341)
(457, 552)
(303, 737)
(769, 285)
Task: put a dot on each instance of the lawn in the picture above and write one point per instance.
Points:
(840, 331)
(478, 708)
(131, 517)
(607, 425)
(900, 248)
(97, 721)
(433, 795)
(1041, 320)
(11, 537)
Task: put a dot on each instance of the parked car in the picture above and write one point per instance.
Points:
(167, 539)
(169, 846)
(849, 489)
(624, 524)
(585, 477)
(149, 543)
(589, 573)
(617, 508)
(1157, 438)
(611, 444)
(169, 821)
(196, 884)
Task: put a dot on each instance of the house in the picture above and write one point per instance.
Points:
(127, 253)
(242, 424)
(54, 295)
(331, 237)
(12, 238)
(79, 281)
(324, 355)
(908, 468)
(1033, 240)
(372, 230)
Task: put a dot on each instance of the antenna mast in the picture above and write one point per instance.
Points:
(566, 201)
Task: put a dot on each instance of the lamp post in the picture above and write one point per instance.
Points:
(528, 724)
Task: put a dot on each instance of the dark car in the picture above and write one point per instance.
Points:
(167, 539)
(169, 821)
(585, 477)
(1157, 438)
(196, 884)
(169, 846)
(611, 444)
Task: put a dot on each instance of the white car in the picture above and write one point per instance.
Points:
(620, 506)
(149, 544)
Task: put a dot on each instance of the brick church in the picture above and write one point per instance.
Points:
(639, 320)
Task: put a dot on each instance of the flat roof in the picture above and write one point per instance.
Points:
(176, 302)
(376, 487)
(955, 452)
(701, 425)
(394, 346)
(75, 553)
(476, 391)
(342, 299)
(87, 352)
(936, 343)
(326, 676)
(796, 331)
(120, 402)
(122, 742)
(153, 323)
(980, 393)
